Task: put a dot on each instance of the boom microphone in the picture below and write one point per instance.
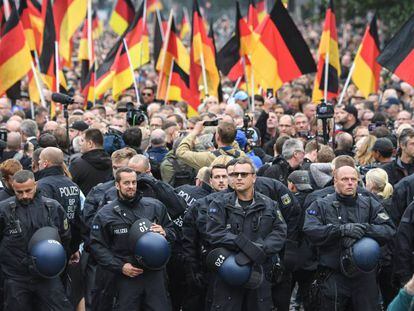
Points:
(62, 98)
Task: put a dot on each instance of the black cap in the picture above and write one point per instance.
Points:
(79, 125)
(352, 110)
(391, 101)
(383, 145)
(301, 180)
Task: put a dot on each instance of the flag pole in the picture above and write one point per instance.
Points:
(164, 51)
(252, 78)
(132, 71)
(57, 66)
(90, 32)
(39, 88)
(169, 82)
(144, 20)
(160, 24)
(236, 86)
(325, 88)
(203, 69)
(348, 80)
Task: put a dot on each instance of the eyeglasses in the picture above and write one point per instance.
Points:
(146, 94)
(241, 174)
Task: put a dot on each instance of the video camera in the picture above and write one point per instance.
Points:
(324, 111)
(134, 116)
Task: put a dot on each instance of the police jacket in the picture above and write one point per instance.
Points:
(194, 230)
(6, 193)
(325, 216)
(404, 247)
(287, 202)
(403, 195)
(191, 194)
(18, 223)
(54, 184)
(396, 171)
(110, 229)
(261, 222)
(92, 201)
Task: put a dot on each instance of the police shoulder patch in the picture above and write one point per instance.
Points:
(383, 216)
(65, 224)
(312, 212)
(286, 200)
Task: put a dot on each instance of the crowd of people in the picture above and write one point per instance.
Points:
(258, 211)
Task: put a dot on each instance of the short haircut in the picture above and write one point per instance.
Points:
(122, 170)
(344, 141)
(9, 167)
(132, 136)
(246, 160)
(280, 141)
(232, 162)
(405, 135)
(227, 132)
(123, 154)
(61, 139)
(217, 166)
(259, 98)
(312, 145)
(325, 154)
(53, 155)
(23, 176)
(140, 158)
(290, 146)
(343, 160)
(47, 140)
(95, 136)
(29, 128)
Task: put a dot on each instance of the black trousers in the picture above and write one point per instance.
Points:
(341, 293)
(147, 291)
(44, 295)
(281, 292)
(222, 296)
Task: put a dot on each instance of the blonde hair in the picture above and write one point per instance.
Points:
(364, 153)
(379, 178)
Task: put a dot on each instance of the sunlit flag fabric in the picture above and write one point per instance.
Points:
(24, 15)
(122, 16)
(252, 16)
(14, 52)
(179, 89)
(398, 55)
(280, 54)
(328, 46)
(185, 27)
(367, 71)
(158, 38)
(69, 16)
(154, 5)
(261, 10)
(35, 15)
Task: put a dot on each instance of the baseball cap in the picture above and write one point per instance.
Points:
(352, 110)
(383, 145)
(79, 125)
(391, 101)
(241, 95)
(301, 180)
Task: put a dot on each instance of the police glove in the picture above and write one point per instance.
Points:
(352, 230)
(250, 249)
(348, 242)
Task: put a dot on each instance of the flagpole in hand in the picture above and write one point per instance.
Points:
(348, 80)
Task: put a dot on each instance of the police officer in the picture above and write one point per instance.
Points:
(194, 240)
(137, 287)
(53, 184)
(334, 223)
(20, 217)
(251, 225)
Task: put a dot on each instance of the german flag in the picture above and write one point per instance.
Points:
(97, 25)
(328, 46)
(154, 5)
(281, 54)
(179, 89)
(122, 16)
(68, 16)
(219, 90)
(261, 10)
(24, 15)
(366, 73)
(87, 59)
(252, 16)
(2, 17)
(35, 15)
(185, 26)
(33, 90)
(14, 52)
(398, 55)
(159, 32)
(88, 86)
(202, 53)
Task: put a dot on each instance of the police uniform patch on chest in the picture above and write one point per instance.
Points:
(65, 224)
(286, 200)
(120, 231)
(383, 216)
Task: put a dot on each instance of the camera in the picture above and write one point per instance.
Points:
(134, 116)
(211, 123)
(324, 111)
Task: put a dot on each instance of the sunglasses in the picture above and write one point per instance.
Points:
(242, 174)
(146, 94)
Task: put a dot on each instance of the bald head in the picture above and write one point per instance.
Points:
(13, 126)
(14, 141)
(50, 126)
(346, 180)
(50, 156)
(140, 164)
(158, 138)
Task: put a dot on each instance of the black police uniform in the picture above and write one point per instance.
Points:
(191, 193)
(6, 193)
(109, 246)
(24, 288)
(261, 223)
(323, 222)
(403, 195)
(54, 184)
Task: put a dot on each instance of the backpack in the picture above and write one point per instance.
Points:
(183, 174)
(218, 153)
(113, 141)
